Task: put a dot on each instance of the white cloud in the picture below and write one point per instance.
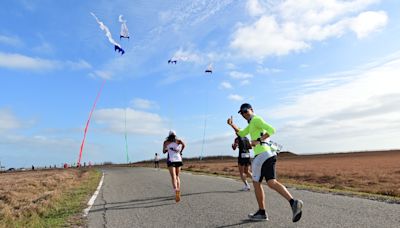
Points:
(102, 74)
(255, 8)
(23, 62)
(235, 97)
(292, 26)
(240, 75)
(266, 70)
(361, 112)
(137, 122)
(80, 65)
(17, 61)
(368, 22)
(230, 66)
(226, 85)
(244, 82)
(8, 121)
(44, 48)
(11, 40)
(143, 103)
(190, 13)
(187, 56)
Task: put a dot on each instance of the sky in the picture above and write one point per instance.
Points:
(324, 73)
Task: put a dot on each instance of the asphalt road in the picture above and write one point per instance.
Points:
(143, 197)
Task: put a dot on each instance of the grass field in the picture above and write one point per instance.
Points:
(45, 198)
(373, 174)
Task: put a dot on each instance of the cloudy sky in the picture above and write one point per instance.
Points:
(324, 73)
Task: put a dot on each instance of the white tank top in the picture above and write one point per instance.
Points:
(174, 154)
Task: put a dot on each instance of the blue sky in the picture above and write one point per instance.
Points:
(323, 73)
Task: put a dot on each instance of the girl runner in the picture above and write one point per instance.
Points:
(174, 148)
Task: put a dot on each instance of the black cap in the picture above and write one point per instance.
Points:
(244, 107)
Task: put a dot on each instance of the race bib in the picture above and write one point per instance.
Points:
(245, 155)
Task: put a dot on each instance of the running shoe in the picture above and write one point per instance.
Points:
(258, 216)
(177, 196)
(296, 209)
(246, 188)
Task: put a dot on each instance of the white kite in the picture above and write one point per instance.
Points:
(209, 69)
(117, 47)
(124, 29)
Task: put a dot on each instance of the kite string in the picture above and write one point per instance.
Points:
(205, 126)
(126, 140)
(88, 121)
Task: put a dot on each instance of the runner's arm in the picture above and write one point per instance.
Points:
(164, 150)
(235, 144)
(248, 144)
(264, 126)
(183, 145)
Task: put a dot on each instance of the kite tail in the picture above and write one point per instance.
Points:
(119, 49)
(87, 123)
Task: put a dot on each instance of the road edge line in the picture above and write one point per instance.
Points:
(93, 198)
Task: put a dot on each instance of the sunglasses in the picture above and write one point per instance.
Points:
(244, 111)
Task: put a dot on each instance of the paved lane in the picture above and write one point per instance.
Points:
(143, 197)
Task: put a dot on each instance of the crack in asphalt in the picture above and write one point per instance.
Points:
(104, 208)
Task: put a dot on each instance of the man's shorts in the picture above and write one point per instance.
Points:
(174, 164)
(244, 161)
(264, 166)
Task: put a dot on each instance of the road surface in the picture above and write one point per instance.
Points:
(143, 197)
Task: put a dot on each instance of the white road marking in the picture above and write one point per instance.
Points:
(91, 201)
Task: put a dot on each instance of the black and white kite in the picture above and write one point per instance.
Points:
(117, 47)
(124, 29)
(209, 69)
(172, 61)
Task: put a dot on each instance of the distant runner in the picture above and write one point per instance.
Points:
(156, 161)
(243, 159)
(174, 147)
(263, 162)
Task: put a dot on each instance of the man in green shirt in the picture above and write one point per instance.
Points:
(264, 162)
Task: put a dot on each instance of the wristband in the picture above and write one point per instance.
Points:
(259, 140)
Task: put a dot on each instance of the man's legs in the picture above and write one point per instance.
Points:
(247, 171)
(260, 196)
(280, 188)
(295, 204)
(243, 177)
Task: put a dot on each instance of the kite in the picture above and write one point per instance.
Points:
(117, 47)
(209, 69)
(172, 61)
(124, 29)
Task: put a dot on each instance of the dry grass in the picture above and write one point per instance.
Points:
(25, 197)
(370, 172)
(367, 172)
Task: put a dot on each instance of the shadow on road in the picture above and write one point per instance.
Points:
(151, 202)
(245, 221)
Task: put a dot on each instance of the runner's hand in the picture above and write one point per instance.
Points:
(254, 142)
(230, 121)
